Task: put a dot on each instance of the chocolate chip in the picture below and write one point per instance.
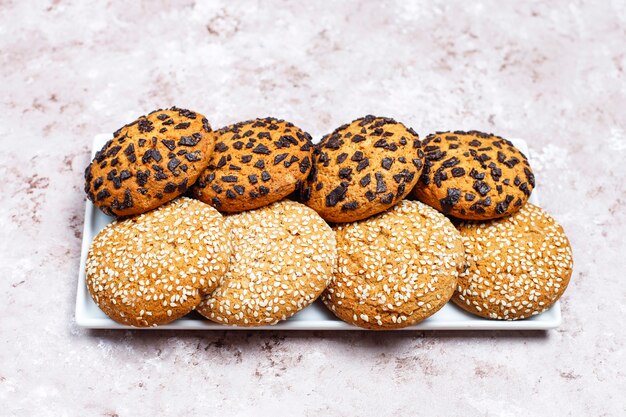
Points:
(457, 172)
(358, 138)
(418, 163)
(469, 196)
(97, 183)
(264, 190)
(145, 125)
(141, 142)
(162, 116)
(529, 176)
(386, 163)
(261, 149)
(125, 174)
(252, 179)
(103, 194)
(453, 196)
(370, 195)
(477, 175)
(172, 164)
(265, 176)
(229, 178)
(362, 165)
(189, 140)
(449, 163)
(193, 156)
(183, 125)
(305, 164)
(230, 194)
(260, 164)
(142, 177)
(170, 187)
(365, 180)
(380, 183)
(130, 152)
(151, 154)
(336, 195)
(387, 198)
(319, 186)
(512, 162)
(293, 159)
(246, 158)
(169, 144)
(481, 187)
(353, 205)
(239, 189)
(279, 158)
(216, 202)
(221, 163)
(345, 173)
(217, 188)
(341, 157)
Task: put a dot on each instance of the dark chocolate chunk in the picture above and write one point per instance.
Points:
(481, 187)
(103, 194)
(189, 140)
(418, 163)
(246, 158)
(216, 202)
(529, 176)
(387, 198)
(370, 195)
(453, 196)
(305, 164)
(362, 165)
(263, 190)
(230, 194)
(279, 158)
(229, 178)
(457, 172)
(221, 147)
(125, 174)
(386, 163)
(265, 176)
(183, 125)
(380, 183)
(365, 180)
(341, 157)
(169, 144)
(469, 196)
(162, 116)
(217, 188)
(193, 156)
(345, 173)
(239, 189)
(261, 149)
(252, 179)
(319, 186)
(172, 164)
(170, 187)
(336, 195)
(293, 159)
(358, 138)
(259, 164)
(142, 177)
(449, 163)
(353, 205)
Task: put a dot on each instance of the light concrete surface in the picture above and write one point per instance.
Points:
(549, 72)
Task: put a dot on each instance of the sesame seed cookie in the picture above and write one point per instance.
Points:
(518, 266)
(473, 175)
(154, 268)
(255, 163)
(285, 254)
(149, 162)
(394, 269)
(362, 168)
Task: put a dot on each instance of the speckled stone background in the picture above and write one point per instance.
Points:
(551, 72)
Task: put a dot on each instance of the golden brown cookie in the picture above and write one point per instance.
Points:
(254, 164)
(363, 168)
(283, 258)
(518, 266)
(394, 269)
(149, 162)
(154, 268)
(473, 175)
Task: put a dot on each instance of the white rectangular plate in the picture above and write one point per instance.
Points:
(314, 317)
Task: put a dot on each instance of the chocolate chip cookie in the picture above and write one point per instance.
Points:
(149, 162)
(518, 266)
(154, 268)
(283, 258)
(474, 175)
(363, 168)
(255, 163)
(395, 269)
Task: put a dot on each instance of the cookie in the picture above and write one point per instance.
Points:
(283, 259)
(149, 162)
(518, 266)
(394, 269)
(255, 163)
(473, 175)
(154, 268)
(362, 168)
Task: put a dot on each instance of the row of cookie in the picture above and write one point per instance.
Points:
(262, 266)
(360, 169)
